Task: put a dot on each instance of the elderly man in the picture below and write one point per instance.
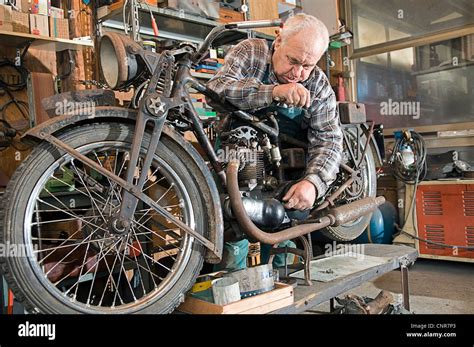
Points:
(258, 77)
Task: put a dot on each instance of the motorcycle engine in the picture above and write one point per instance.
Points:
(259, 160)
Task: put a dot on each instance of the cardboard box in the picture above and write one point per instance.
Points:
(6, 18)
(39, 25)
(56, 12)
(25, 6)
(59, 28)
(21, 22)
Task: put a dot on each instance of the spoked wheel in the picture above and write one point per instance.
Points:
(364, 185)
(62, 213)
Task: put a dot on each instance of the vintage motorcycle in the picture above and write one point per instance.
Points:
(115, 212)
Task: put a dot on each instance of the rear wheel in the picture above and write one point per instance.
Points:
(58, 212)
(365, 184)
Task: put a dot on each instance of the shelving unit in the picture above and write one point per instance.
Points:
(174, 25)
(14, 39)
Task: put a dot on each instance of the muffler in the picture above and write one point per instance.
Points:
(336, 216)
(347, 213)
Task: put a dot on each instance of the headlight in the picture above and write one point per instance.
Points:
(119, 67)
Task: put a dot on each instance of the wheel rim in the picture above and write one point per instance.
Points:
(114, 272)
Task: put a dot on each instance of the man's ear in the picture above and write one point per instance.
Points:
(278, 41)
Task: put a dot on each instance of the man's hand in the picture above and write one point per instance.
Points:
(300, 196)
(292, 94)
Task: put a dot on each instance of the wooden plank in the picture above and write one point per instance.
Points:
(14, 39)
(271, 306)
(281, 291)
(263, 303)
(163, 254)
(259, 9)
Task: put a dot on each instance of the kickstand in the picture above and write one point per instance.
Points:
(305, 253)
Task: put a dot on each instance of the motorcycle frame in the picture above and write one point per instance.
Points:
(152, 113)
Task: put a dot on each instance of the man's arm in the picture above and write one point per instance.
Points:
(238, 80)
(324, 138)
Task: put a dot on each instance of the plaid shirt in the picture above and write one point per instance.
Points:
(239, 81)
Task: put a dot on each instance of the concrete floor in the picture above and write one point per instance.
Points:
(436, 287)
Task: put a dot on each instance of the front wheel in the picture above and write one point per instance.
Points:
(58, 213)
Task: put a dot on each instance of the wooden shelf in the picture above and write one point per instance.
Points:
(13, 39)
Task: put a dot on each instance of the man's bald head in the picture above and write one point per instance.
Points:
(309, 30)
(299, 46)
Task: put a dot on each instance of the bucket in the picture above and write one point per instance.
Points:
(225, 290)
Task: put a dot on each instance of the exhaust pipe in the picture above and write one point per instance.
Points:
(336, 216)
(347, 213)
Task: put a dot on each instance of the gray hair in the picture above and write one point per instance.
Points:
(301, 21)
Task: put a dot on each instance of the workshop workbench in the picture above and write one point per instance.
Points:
(307, 297)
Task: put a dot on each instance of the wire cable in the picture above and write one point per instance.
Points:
(419, 172)
(415, 171)
(22, 106)
(23, 72)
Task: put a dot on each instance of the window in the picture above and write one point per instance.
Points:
(436, 79)
(378, 21)
(427, 84)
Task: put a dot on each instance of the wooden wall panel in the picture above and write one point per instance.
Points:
(37, 61)
(263, 9)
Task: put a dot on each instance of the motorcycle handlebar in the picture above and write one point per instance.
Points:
(202, 51)
(254, 24)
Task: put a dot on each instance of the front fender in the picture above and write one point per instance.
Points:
(122, 115)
